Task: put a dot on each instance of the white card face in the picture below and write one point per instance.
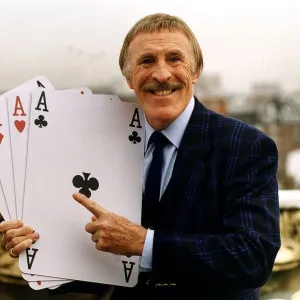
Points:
(38, 278)
(96, 145)
(6, 169)
(40, 285)
(32, 277)
(3, 205)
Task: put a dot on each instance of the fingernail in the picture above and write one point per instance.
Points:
(37, 235)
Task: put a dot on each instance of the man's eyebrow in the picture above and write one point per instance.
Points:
(145, 55)
(152, 55)
(176, 52)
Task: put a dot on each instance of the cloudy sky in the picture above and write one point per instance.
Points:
(77, 43)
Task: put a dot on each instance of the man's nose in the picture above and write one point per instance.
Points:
(161, 72)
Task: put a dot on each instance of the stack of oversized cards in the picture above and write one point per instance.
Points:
(52, 144)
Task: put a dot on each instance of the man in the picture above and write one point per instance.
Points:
(210, 218)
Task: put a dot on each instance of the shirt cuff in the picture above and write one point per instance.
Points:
(146, 261)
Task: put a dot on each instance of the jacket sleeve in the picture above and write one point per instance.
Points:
(245, 252)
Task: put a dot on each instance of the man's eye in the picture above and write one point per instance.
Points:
(174, 59)
(147, 61)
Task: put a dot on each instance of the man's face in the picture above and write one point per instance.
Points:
(161, 65)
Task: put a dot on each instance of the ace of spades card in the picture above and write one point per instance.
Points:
(86, 144)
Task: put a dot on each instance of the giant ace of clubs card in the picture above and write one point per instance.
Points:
(19, 142)
(86, 144)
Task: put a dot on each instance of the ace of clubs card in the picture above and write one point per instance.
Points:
(38, 281)
(89, 145)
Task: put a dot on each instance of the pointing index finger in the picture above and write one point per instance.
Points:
(89, 204)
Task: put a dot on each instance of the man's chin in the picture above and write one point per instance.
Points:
(161, 117)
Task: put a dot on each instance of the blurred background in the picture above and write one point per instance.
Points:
(251, 72)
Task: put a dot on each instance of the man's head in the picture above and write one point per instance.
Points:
(161, 60)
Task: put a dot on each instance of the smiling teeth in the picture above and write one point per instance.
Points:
(162, 93)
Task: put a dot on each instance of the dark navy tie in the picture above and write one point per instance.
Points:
(153, 181)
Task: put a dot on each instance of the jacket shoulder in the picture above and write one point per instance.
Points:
(225, 130)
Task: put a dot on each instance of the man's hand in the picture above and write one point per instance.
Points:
(17, 237)
(112, 233)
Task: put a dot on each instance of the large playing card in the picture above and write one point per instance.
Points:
(94, 146)
(44, 281)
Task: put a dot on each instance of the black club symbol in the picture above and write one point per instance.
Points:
(85, 184)
(41, 122)
(134, 137)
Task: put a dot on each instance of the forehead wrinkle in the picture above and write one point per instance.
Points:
(149, 42)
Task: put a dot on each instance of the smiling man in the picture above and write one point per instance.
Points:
(161, 69)
(210, 216)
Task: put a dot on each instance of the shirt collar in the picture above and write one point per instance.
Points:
(174, 132)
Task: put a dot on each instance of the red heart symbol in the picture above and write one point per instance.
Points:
(1, 137)
(20, 125)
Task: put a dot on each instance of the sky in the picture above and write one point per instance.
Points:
(77, 43)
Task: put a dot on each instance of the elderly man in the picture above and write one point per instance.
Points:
(210, 217)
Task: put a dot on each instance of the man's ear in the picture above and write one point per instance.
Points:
(130, 85)
(195, 77)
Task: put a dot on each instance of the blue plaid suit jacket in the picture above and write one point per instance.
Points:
(218, 221)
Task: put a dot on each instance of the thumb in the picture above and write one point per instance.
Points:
(89, 204)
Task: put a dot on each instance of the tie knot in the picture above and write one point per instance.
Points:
(158, 139)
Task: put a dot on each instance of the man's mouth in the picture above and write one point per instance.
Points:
(162, 92)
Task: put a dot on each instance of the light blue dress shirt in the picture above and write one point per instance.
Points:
(174, 132)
